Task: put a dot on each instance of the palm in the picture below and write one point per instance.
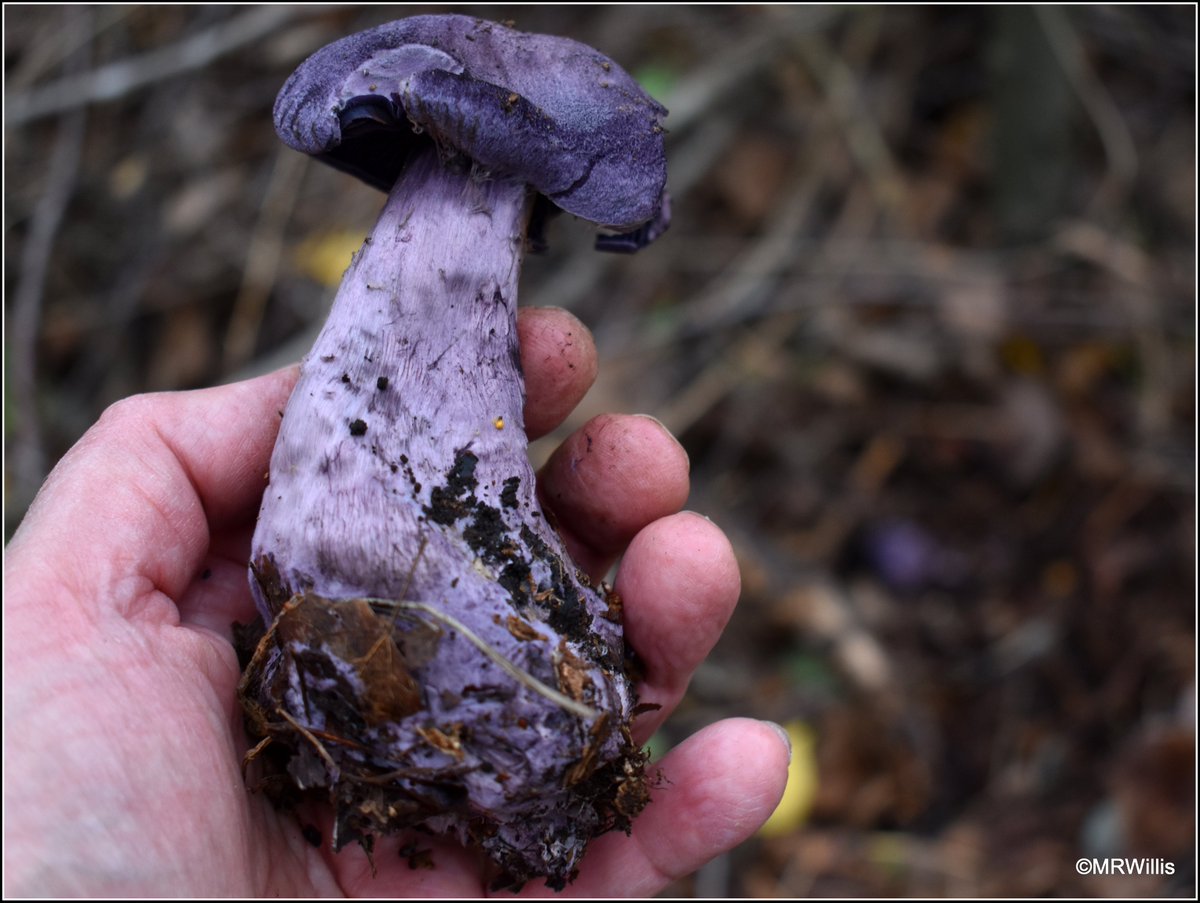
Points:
(120, 673)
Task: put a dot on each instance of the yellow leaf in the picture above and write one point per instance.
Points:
(801, 789)
(1023, 355)
(325, 256)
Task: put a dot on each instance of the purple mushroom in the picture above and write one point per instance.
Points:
(432, 657)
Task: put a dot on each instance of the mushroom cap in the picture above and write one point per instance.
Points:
(550, 111)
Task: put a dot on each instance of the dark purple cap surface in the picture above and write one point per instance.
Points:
(548, 110)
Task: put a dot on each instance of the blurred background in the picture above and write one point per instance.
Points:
(925, 323)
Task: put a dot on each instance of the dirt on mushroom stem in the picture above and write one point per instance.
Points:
(433, 658)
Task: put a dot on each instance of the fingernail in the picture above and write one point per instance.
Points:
(554, 308)
(662, 426)
(783, 735)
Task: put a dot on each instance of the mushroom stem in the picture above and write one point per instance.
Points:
(400, 488)
(417, 362)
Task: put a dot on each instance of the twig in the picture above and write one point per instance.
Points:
(746, 286)
(29, 464)
(747, 282)
(1119, 149)
(334, 771)
(521, 677)
(863, 136)
(696, 97)
(262, 257)
(763, 265)
(47, 54)
(118, 79)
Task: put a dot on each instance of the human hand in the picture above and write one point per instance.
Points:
(123, 736)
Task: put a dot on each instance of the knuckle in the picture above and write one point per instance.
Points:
(129, 413)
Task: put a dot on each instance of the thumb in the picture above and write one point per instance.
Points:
(133, 505)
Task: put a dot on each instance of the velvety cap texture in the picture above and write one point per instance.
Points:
(548, 110)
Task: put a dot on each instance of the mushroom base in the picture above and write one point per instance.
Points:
(386, 763)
